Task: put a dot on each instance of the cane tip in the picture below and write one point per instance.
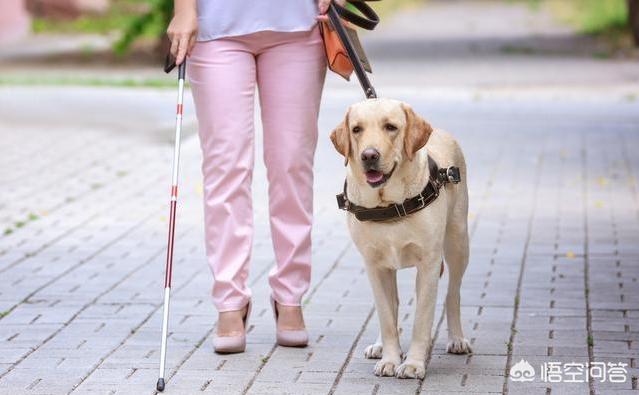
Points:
(160, 385)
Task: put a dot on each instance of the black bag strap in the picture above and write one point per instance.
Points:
(336, 23)
(369, 19)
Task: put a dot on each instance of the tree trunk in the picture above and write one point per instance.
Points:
(633, 19)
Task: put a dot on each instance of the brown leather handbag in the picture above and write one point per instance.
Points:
(337, 46)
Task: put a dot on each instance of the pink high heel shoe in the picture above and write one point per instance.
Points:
(232, 344)
(289, 338)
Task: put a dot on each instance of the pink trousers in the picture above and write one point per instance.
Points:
(288, 69)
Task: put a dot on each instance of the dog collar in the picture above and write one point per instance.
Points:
(438, 178)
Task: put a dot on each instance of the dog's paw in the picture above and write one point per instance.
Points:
(411, 370)
(374, 351)
(459, 345)
(385, 367)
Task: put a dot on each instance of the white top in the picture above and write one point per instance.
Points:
(224, 18)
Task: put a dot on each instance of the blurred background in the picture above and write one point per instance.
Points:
(468, 47)
(55, 37)
(542, 94)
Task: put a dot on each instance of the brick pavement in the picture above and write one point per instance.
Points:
(554, 214)
(554, 222)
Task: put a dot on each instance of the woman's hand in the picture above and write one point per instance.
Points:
(182, 30)
(323, 5)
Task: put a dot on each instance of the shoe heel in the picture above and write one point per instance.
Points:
(233, 344)
(288, 338)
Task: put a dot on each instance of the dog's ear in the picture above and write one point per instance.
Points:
(417, 132)
(341, 139)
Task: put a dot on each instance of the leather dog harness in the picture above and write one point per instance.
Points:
(438, 178)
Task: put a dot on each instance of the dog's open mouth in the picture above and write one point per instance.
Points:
(376, 178)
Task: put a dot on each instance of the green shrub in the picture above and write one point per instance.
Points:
(598, 16)
(154, 22)
(592, 16)
(131, 19)
(120, 14)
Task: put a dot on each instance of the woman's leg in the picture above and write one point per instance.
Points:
(222, 76)
(290, 74)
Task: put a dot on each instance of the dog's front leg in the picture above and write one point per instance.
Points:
(384, 284)
(426, 296)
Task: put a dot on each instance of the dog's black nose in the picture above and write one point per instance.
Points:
(370, 156)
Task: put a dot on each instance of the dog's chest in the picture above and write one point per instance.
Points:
(396, 245)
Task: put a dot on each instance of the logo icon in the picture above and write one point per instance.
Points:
(522, 371)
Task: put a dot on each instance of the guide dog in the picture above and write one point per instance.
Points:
(386, 147)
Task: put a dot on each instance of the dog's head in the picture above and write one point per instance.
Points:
(377, 135)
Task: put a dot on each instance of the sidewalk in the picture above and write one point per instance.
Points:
(554, 216)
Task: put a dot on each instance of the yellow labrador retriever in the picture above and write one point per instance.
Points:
(386, 147)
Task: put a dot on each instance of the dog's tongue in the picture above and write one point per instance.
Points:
(374, 176)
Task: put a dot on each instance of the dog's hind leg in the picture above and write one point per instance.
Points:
(456, 253)
(384, 284)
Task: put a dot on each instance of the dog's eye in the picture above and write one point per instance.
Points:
(390, 127)
(357, 129)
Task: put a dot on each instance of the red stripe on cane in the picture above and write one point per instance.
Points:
(169, 250)
(179, 109)
(174, 191)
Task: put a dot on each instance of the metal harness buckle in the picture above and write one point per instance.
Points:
(397, 205)
(421, 201)
(453, 175)
(342, 202)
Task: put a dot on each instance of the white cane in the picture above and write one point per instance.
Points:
(173, 202)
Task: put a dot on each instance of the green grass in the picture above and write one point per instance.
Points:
(598, 16)
(88, 81)
(592, 16)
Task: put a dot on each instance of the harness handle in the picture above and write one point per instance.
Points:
(368, 21)
(335, 20)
